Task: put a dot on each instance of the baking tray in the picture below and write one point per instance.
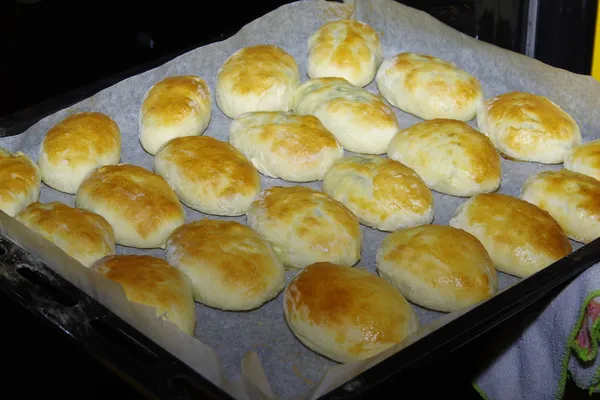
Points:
(157, 373)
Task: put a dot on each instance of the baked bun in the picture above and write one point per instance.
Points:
(20, 182)
(284, 145)
(75, 147)
(153, 282)
(83, 235)
(520, 238)
(384, 194)
(208, 175)
(346, 49)
(257, 78)
(571, 198)
(305, 226)
(139, 205)
(360, 120)
(437, 267)
(346, 314)
(585, 159)
(429, 87)
(174, 107)
(527, 127)
(466, 162)
(230, 267)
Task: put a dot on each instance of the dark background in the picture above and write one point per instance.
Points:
(52, 47)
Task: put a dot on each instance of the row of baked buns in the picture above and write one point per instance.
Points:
(296, 131)
(292, 147)
(305, 226)
(343, 57)
(302, 226)
(222, 264)
(230, 266)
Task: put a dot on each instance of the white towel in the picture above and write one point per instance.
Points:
(542, 349)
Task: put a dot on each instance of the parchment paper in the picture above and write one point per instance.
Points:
(231, 346)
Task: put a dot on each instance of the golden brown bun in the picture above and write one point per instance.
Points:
(346, 313)
(527, 127)
(571, 198)
(153, 282)
(384, 194)
(139, 205)
(76, 146)
(520, 238)
(585, 159)
(293, 147)
(257, 78)
(174, 107)
(429, 87)
(208, 175)
(305, 226)
(230, 267)
(466, 162)
(359, 119)
(438, 267)
(83, 235)
(346, 49)
(20, 182)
